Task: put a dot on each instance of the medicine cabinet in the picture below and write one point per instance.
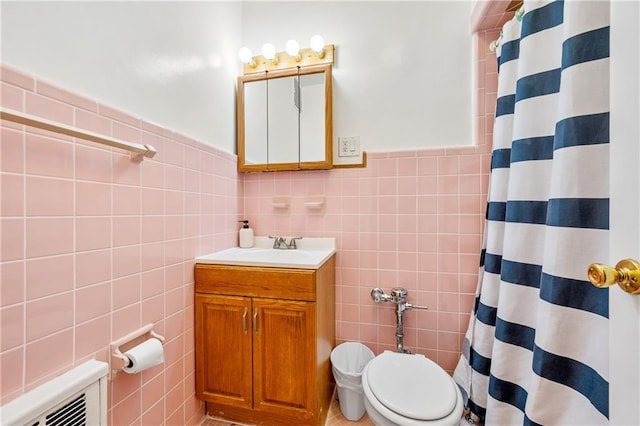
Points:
(284, 120)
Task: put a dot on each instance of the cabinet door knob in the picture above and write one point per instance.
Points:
(244, 320)
(255, 322)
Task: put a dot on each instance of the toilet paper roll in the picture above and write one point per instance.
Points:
(146, 355)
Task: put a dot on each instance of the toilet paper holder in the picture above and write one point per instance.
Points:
(117, 360)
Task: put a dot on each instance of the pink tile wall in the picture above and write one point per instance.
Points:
(410, 219)
(95, 245)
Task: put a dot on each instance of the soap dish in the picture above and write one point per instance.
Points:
(281, 202)
(314, 202)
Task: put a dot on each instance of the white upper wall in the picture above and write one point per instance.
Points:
(402, 72)
(402, 77)
(172, 63)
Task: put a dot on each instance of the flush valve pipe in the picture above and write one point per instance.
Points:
(398, 296)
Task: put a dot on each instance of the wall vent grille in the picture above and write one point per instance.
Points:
(74, 413)
(76, 398)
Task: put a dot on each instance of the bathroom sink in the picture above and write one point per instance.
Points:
(310, 254)
(268, 255)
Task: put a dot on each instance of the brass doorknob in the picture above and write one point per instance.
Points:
(626, 274)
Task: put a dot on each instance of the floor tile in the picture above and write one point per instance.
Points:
(334, 418)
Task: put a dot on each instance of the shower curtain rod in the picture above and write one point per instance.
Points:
(518, 6)
(514, 5)
(139, 150)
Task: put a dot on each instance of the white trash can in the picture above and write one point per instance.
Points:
(347, 362)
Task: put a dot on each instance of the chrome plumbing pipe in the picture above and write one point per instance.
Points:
(399, 297)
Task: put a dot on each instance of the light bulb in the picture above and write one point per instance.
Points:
(317, 43)
(269, 51)
(293, 49)
(245, 55)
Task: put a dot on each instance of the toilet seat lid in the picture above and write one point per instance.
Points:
(412, 385)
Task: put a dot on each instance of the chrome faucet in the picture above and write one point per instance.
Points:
(280, 243)
(399, 297)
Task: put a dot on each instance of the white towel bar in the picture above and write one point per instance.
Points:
(140, 150)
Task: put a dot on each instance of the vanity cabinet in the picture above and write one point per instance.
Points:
(263, 342)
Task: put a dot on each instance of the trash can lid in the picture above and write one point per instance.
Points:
(412, 385)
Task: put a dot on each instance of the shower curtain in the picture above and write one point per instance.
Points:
(536, 349)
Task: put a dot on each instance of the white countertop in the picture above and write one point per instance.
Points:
(310, 254)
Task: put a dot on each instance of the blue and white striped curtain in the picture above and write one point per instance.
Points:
(536, 350)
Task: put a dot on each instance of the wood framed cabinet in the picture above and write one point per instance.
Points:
(263, 341)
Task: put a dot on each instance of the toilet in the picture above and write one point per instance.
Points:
(410, 389)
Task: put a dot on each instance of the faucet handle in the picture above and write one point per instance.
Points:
(292, 244)
(277, 241)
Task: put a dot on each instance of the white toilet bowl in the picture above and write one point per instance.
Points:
(410, 390)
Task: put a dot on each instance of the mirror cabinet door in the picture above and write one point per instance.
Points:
(312, 117)
(255, 122)
(282, 108)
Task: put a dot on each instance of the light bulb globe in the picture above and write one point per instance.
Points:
(317, 43)
(293, 48)
(269, 51)
(245, 55)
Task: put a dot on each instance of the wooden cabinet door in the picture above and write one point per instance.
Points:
(284, 358)
(223, 349)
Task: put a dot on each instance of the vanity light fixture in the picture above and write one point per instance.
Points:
(293, 56)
